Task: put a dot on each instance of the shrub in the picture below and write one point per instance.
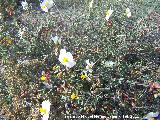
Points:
(125, 64)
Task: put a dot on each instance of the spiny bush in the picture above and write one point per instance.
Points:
(123, 70)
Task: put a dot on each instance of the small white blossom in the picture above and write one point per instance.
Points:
(2, 69)
(66, 58)
(24, 5)
(108, 14)
(46, 5)
(56, 40)
(151, 115)
(91, 4)
(23, 62)
(156, 95)
(128, 12)
(89, 66)
(47, 85)
(109, 63)
(21, 32)
(45, 109)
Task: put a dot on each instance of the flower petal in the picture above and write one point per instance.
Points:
(69, 56)
(62, 51)
(46, 104)
(45, 117)
(151, 114)
(70, 64)
(62, 55)
(87, 62)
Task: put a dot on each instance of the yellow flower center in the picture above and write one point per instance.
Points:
(55, 67)
(9, 41)
(43, 110)
(90, 66)
(127, 12)
(152, 118)
(108, 13)
(65, 59)
(43, 78)
(47, 3)
(43, 7)
(73, 96)
(83, 76)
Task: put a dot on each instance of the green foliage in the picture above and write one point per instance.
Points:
(85, 33)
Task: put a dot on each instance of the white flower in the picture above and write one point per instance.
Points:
(91, 4)
(156, 95)
(56, 40)
(2, 69)
(47, 85)
(46, 4)
(128, 12)
(45, 109)
(23, 62)
(24, 5)
(89, 66)
(109, 63)
(21, 32)
(108, 14)
(151, 115)
(66, 58)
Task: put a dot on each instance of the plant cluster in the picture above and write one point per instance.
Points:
(82, 58)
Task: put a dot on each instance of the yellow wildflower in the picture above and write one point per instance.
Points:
(9, 41)
(43, 78)
(83, 76)
(74, 96)
(55, 68)
(108, 14)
